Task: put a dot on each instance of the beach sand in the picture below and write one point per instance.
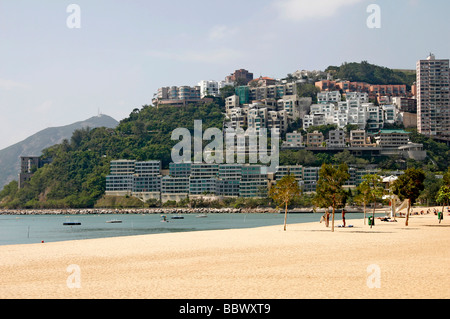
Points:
(306, 261)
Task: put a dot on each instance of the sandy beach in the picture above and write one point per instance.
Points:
(307, 261)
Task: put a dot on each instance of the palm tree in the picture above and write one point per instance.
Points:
(408, 187)
(284, 191)
(330, 191)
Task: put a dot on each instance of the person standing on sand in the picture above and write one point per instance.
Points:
(343, 217)
(440, 216)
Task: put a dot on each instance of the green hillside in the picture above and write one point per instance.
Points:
(372, 74)
(33, 145)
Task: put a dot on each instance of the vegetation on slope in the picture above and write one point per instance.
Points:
(372, 74)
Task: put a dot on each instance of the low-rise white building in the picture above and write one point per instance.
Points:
(212, 87)
(361, 96)
(329, 97)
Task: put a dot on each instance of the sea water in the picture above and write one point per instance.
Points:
(29, 229)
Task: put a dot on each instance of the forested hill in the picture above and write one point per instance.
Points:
(76, 177)
(33, 145)
(372, 74)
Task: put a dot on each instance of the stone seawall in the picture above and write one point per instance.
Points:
(98, 211)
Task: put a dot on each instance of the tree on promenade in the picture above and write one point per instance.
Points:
(330, 191)
(284, 192)
(376, 191)
(447, 178)
(408, 187)
(443, 197)
(363, 197)
(370, 190)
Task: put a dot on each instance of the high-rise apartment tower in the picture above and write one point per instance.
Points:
(433, 97)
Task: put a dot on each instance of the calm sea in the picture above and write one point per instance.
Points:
(31, 229)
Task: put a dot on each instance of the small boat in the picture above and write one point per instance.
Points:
(201, 216)
(113, 221)
(177, 217)
(71, 224)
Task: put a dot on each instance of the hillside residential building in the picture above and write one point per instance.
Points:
(329, 97)
(240, 76)
(231, 102)
(375, 118)
(28, 165)
(361, 96)
(262, 81)
(336, 139)
(177, 95)
(310, 178)
(392, 138)
(212, 87)
(405, 104)
(373, 91)
(345, 112)
(295, 107)
(193, 180)
(358, 138)
(315, 139)
(253, 182)
(128, 176)
(293, 140)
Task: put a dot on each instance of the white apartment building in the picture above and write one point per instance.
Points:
(344, 113)
(320, 114)
(231, 102)
(390, 113)
(375, 117)
(257, 118)
(237, 118)
(212, 87)
(329, 97)
(277, 120)
(314, 120)
(356, 113)
(362, 97)
(295, 107)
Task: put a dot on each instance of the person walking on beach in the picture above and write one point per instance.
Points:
(440, 216)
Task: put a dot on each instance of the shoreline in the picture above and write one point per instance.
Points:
(124, 211)
(307, 261)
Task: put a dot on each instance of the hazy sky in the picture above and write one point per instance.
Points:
(53, 75)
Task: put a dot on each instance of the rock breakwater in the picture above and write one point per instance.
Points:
(99, 211)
